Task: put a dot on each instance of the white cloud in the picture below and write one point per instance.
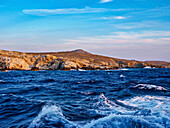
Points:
(44, 12)
(119, 17)
(144, 25)
(105, 1)
(112, 18)
(160, 12)
(126, 38)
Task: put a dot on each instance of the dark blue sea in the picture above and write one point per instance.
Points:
(127, 98)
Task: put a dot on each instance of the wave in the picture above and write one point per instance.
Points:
(90, 93)
(105, 102)
(122, 76)
(47, 80)
(81, 70)
(147, 67)
(154, 109)
(159, 103)
(89, 82)
(121, 121)
(149, 87)
(124, 69)
(103, 106)
(148, 112)
(141, 111)
(51, 116)
(1, 81)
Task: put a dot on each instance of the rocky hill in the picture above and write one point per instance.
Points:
(160, 63)
(77, 59)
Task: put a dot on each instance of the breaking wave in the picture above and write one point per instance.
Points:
(51, 116)
(146, 112)
(149, 87)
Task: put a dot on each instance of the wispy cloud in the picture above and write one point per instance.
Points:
(112, 18)
(119, 17)
(105, 1)
(126, 38)
(148, 24)
(156, 12)
(131, 45)
(45, 12)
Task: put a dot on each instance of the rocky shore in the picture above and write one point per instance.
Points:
(77, 59)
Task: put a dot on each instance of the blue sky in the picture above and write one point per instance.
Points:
(130, 29)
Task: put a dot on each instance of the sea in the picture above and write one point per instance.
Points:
(123, 98)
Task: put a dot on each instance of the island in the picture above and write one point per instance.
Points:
(70, 60)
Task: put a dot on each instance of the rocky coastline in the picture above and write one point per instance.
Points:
(77, 59)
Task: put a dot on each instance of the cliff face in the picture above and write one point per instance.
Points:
(77, 59)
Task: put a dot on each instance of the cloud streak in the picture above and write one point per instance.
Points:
(112, 18)
(126, 39)
(45, 12)
(105, 1)
(156, 12)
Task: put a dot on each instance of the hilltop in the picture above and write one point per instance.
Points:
(76, 59)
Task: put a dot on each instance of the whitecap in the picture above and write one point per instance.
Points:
(140, 111)
(147, 67)
(73, 70)
(152, 102)
(51, 116)
(124, 69)
(81, 70)
(151, 112)
(1, 81)
(149, 87)
(121, 121)
(104, 106)
(122, 76)
(105, 103)
(154, 109)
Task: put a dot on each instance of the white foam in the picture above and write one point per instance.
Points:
(152, 112)
(122, 76)
(73, 70)
(104, 106)
(81, 70)
(149, 87)
(124, 69)
(156, 103)
(147, 67)
(1, 81)
(104, 102)
(121, 121)
(53, 114)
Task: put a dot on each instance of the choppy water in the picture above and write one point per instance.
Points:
(85, 99)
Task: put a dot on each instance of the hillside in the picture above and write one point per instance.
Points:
(77, 59)
(162, 63)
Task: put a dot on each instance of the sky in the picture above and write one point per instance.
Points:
(127, 29)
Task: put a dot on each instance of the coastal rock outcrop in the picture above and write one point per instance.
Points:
(77, 59)
(14, 63)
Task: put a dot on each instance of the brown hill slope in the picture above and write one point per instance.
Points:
(77, 59)
(162, 63)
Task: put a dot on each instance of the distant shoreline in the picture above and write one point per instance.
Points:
(69, 60)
